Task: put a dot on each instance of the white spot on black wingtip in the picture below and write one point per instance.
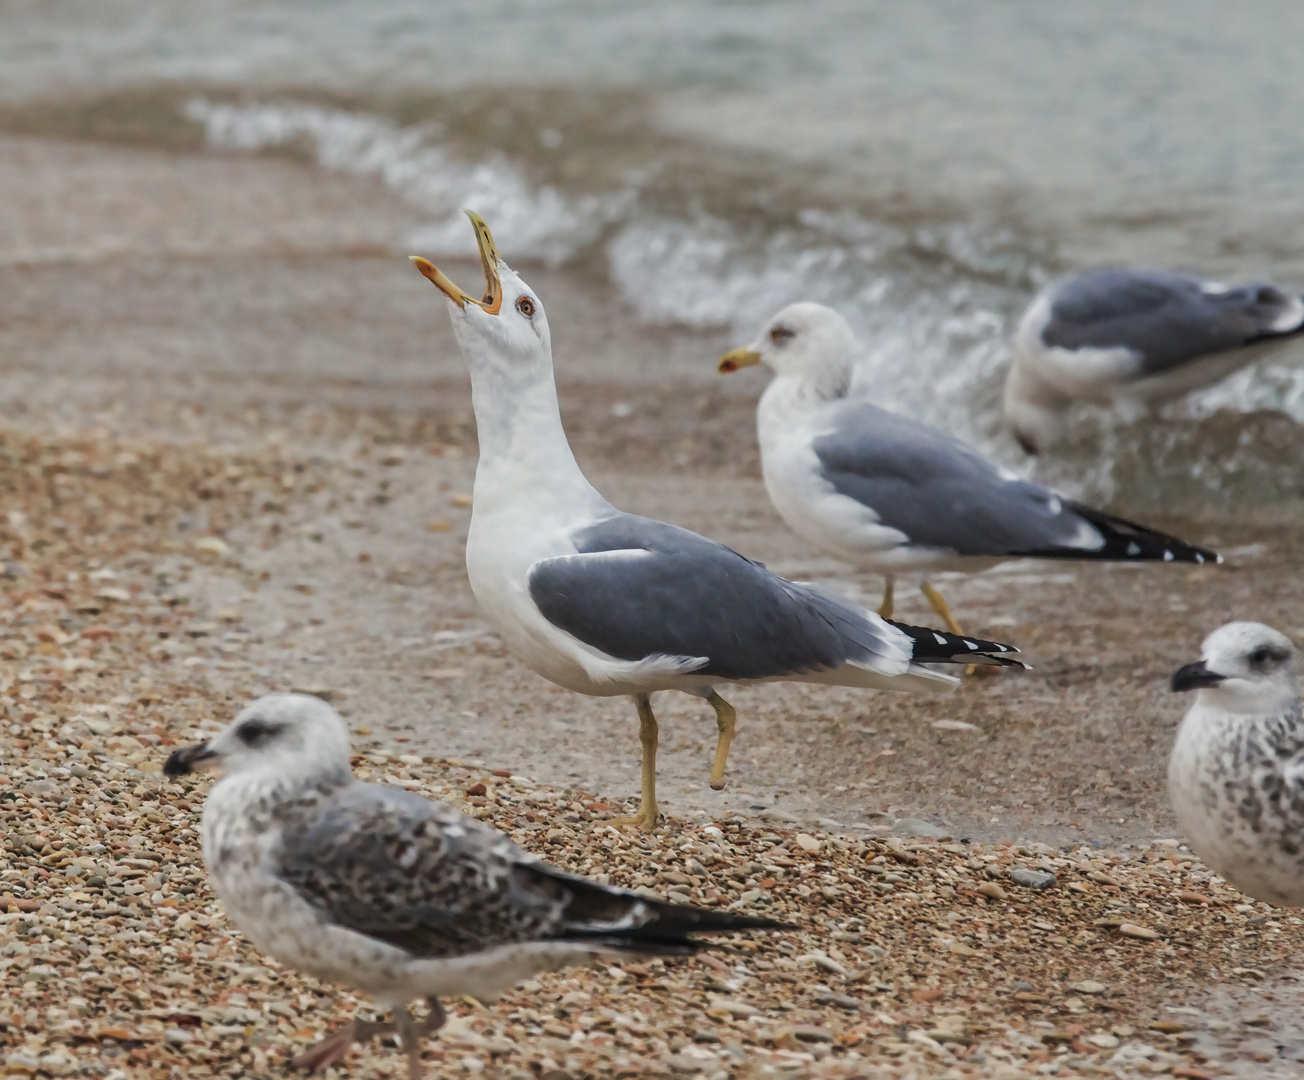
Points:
(969, 644)
(1219, 559)
(1168, 555)
(1133, 549)
(1199, 558)
(940, 640)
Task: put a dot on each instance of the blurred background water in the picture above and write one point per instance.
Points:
(922, 167)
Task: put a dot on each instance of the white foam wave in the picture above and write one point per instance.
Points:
(531, 222)
(931, 305)
(931, 354)
(1274, 384)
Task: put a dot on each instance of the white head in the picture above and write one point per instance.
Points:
(808, 342)
(1244, 667)
(291, 736)
(505, 331)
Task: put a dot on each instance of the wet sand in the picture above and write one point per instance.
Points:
(207, 298)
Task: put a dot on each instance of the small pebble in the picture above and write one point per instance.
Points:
(1032, 879)
(910, 826)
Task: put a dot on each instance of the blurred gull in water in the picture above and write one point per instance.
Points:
(1119, 336)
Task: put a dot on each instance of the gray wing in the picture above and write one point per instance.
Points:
(1166, 319)
(640, 588)
(417, 874)
(941, 493)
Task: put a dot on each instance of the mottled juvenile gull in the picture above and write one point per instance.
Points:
(896, 496)
(1236, 776)
(604, 602)
(389, 893)
(1118, 336)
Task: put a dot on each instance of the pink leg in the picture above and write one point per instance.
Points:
(327, 1052)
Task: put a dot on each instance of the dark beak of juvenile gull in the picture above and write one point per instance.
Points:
(191, 759)
(735, 359)
(1195, 677)
(489, 259)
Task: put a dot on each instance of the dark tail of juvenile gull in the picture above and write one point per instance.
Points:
(622, 920)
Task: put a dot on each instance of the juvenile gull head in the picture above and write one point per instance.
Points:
(392, 894)
(1236, 775)
(279, 738)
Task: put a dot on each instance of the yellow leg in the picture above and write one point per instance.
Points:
(938, 604)
(725, 719)
(886, 608)
(646, 818)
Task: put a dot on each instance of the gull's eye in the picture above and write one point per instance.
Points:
(525, 306)
(256, 732)
(781, 335)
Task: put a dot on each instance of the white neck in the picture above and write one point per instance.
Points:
(788, 397)
(1270, 698)
(523, 449)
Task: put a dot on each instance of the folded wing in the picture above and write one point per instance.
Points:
(1166, 319)
(943, 495)
(419, 875)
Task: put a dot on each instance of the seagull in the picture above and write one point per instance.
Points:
(392, 894)
(1236, 776)
(605, 603)
(895, 496)
(1118, 336)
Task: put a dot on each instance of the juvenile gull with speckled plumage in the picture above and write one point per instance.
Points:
(389, 893)
(1236, 775)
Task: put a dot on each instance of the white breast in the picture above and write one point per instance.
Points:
(1216, 780)
(809, 504)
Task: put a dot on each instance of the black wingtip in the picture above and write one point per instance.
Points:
(941, 647)
(1126, 541)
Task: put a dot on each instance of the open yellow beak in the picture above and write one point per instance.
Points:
(737, 358)
(493, 286)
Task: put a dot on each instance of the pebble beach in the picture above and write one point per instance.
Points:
(910, 957)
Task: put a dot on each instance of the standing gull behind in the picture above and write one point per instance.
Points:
(603, 602)
(1141, 337)
(1236, 775)
(896, 496)
(389, 893)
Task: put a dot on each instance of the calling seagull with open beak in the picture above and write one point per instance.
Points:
(607, 603)
(489, 259)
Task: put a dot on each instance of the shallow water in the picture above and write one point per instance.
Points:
(924, 168)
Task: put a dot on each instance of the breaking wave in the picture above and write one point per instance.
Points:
(933, 302)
